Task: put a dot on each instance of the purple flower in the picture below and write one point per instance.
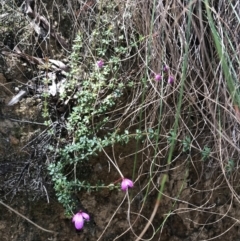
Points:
(171, 80)
(79, 218)
(157, 77)
(100, 63)
(126, 183)
(165, 68)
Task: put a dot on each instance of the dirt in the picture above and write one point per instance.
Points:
(109, 218)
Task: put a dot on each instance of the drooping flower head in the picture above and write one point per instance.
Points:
(100, 63)
(126, 183)
(157, 77)
(171, 80)
(79, 218)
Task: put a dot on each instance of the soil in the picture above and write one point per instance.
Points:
(109, 217)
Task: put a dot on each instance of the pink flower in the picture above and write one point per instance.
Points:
(171, 80)
(100, 63)
(79, 218)
(165, 68)
(126, 183)
(157, 77)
